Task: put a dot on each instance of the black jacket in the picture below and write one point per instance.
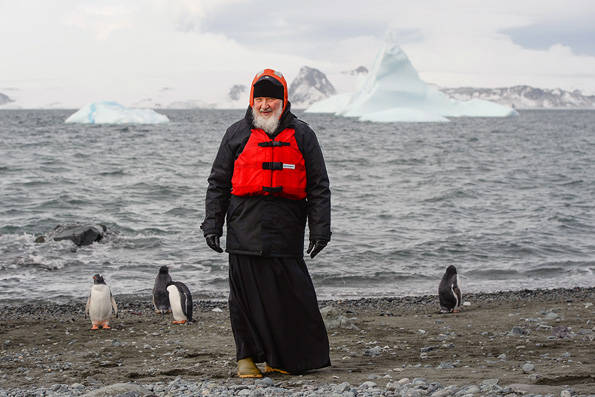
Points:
(268, 225)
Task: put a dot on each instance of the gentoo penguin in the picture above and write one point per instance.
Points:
(449, 291)
(180, 300)
(100, 303)
(160, 294)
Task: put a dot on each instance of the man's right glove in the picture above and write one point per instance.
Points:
(315, 247)
(213, 242)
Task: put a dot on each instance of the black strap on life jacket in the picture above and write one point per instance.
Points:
(276, 189)
(273, 144)
(272, 165)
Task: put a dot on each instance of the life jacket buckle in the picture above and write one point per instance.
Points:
(272, 190)
(272, 165)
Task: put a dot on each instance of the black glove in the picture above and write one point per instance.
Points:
(315, 247)
(213, 242)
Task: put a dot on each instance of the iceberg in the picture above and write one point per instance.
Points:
(330, 105)
(105, 112)
(394, 92)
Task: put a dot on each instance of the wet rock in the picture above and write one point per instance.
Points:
(119, 389)
(79, 234)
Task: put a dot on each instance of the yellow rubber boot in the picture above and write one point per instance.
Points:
(271, 369)
(247, 369)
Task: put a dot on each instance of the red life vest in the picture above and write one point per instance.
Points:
(270, 167)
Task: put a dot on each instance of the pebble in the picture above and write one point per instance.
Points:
(528, 368)
(376, 386)
(266, 387)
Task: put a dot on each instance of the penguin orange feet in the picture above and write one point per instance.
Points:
(179, 322)
(105, 326)
(94, 326)
(247, 369)
(271, 369)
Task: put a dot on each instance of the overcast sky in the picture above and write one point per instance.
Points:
(122, 49)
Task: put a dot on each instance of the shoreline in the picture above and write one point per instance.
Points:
(530, 341)
(206, 299)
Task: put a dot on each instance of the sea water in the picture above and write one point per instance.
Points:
(509, 201)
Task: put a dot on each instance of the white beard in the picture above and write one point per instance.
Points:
(267, 125)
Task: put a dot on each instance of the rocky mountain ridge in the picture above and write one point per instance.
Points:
(312, 85)
(525, 97)
(4, 99)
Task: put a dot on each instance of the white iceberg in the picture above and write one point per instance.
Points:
(330, 105)
(394, 92)
(113, 113)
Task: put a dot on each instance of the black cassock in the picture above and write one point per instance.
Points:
(274, 313)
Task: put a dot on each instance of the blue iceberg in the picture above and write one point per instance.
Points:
(113, 113)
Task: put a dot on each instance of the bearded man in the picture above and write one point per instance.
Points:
(267, 181)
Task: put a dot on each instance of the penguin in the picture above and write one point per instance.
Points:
(100, 304)
(160, 294)
(449, 291)
(180, 300)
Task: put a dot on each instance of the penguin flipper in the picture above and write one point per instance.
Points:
(87, 307)
(189, 309)
(458, 295)
(186, 300)
(113, 301)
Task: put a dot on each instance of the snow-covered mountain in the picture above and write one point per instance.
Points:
(525, 97)
(4, 99)
(236, 92)
(310, 85)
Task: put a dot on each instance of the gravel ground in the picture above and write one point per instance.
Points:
(531, 342)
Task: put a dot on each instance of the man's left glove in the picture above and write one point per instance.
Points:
(315, 247)
(213, 242)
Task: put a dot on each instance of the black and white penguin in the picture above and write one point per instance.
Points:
(100, 304)
(180, 300)
(160, 293)
(449, 291)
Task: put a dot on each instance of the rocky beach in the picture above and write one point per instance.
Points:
(530, 342)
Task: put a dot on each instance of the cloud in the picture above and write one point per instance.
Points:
(102, 19)
(202, 47)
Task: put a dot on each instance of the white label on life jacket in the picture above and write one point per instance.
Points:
(289, 166)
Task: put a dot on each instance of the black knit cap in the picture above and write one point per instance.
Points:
(268, 87)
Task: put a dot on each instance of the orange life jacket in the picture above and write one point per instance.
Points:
(270, 167)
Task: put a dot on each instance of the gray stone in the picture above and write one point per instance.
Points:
(368, 385)
(516, 331)
(343, 387)
(551, 316)
(528, 368)
(118, 388)
(333, 319)
(535, 389)
(373, 352)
